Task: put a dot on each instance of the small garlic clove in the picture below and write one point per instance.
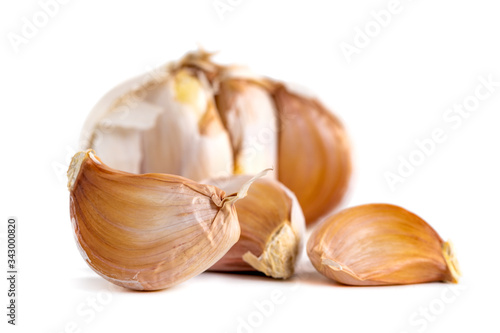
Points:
(272, 228)
(380, 244)
(149, 231)
(314, 153)
(249, 114)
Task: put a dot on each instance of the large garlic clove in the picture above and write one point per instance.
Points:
(380, 244)
(149, 231)
(249, 114)
(272, 228)
(314, 153)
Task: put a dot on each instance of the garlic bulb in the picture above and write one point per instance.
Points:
(272, 228)
(380, 244)
(201, 120)
(149, 231)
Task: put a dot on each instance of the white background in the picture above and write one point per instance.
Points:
(394, 91)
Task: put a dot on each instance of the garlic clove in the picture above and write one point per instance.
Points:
(149, 231)
(380, 244)
(249, 114)
(272, 228)
(314, 153)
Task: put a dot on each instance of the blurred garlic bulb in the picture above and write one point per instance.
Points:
(272, 228)
(201, 120)
(380, 244)
(149, 231)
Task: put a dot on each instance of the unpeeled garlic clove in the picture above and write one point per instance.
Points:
(249, 114)
(272, 228)
(314, 153)
(380, 244)
(149, 231)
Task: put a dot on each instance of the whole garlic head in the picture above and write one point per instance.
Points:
(201, 120)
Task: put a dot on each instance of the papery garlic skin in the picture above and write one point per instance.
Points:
(272, 228)
(380, 244)
(149, 231)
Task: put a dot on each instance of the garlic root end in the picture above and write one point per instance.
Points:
(279, 256)
(451, 261)
(75, 165)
